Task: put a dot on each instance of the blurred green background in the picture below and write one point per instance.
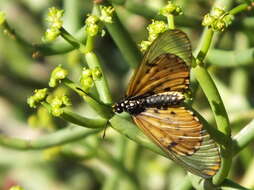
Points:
(93, 162)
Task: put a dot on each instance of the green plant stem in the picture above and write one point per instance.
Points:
(8, 31)
(124, 42)
(74, 118)
(215, 101)
(101, 84)
(60, 137)
(220, 115)
(171, 22)
(209, 88)
(238, 9)
(204, 45)
(224, 58)
(58, 47)
(207, 185)
(230, 185)
(243, 138)
(101, 109)
(69, 38)
(72, 11)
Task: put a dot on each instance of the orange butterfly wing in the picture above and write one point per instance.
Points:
(179, 133)
(165, 66)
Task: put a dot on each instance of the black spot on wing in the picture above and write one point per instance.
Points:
(172, 112)
(151, 64)
(171, 145)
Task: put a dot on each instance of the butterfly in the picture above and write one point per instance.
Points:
(155, 99)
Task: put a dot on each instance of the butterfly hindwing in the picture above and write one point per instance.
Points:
(170, 54)
(179, 133)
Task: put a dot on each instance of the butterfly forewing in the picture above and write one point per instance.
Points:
(179, 133)
(167, 72)
(174, 44)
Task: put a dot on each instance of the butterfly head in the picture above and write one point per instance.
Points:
(117, 108)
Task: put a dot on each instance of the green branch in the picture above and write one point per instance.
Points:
(101, 109)
(204, 45)
(60, 137)
(207, 184)
(124, 42)
(58, 47)
(238, 9)
(224, 58)
(101, 84)
(77, 119)
(243, 138)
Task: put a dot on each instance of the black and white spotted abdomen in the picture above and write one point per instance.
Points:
(163, 99)
(136, 105)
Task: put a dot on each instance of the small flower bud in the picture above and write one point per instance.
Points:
(39, 96)
(218, 20)
(219, 26)
(217, 12)
(144, 45)
(228, 19)
(92, 30)
(57, 103)
(55, 17)
(156, 27)
(51, 34)
(92, 19)
(171, 9)
(106, 14)
(86, 83)
(57, 75)
(66, 101)
(96, 73)
(208, 20)
(92, 27)
(86, 73)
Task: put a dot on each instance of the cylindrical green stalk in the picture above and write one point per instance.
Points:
(171, 22)
(59, 137)
(101, 84)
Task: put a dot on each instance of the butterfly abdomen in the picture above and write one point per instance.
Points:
(163, 99)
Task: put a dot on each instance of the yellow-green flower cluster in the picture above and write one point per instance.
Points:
(106, 13)
(171, 9)
(39, 96)
(55, 21)
(57, 103)
(2, 18)
(218, 19)
(57, 75)
(88, 77)
(154, 29)
(93, 21)
(92, 25)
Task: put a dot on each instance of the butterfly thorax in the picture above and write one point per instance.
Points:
(136, 105)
